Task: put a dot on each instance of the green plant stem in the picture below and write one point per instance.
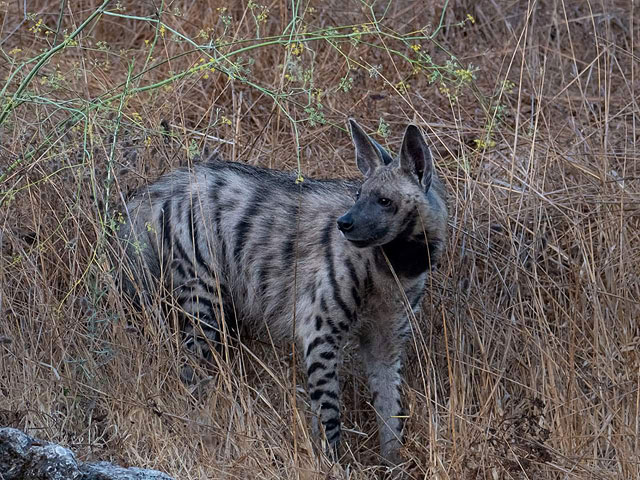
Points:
(13, 102)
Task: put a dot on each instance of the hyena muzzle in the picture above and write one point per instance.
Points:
(348, 258)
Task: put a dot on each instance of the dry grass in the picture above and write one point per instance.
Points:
(526, 361)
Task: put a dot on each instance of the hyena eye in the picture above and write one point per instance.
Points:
(358, 193)
(385, 202)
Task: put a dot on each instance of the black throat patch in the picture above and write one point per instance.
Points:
(410, 254)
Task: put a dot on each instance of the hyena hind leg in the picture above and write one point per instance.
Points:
(203, 321)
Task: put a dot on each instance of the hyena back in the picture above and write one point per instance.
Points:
(349, 257)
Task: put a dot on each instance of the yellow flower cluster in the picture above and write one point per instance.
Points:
(483, 144)
(36, 27)
(465, 75)
(296, 48)
(402, 87)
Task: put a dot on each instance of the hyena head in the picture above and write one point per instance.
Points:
(394, 192)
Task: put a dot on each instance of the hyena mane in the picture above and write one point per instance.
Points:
(349, 258)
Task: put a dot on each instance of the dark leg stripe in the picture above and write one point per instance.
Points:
(195, 299)
(331, 423)
(314, 344)
(329, 406)
(328, 355)
(319, 393)
(197, 310)
(332, 325)
(315, 366)
(331, 394)
(211, 289)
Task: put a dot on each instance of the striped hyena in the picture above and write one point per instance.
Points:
(347, 258)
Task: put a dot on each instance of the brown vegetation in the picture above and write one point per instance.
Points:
(525, 363)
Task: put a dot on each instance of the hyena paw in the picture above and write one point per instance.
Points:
(196, 382)
(392, 459)
(188, 375)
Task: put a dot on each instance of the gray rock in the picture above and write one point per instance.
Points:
(26, 458)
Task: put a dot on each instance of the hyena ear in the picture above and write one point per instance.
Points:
(415, 156)
(386, 157)
(368, 157)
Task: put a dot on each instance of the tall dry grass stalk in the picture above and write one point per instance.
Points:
(525, 363)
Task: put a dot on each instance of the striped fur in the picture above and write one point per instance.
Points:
(232, 241)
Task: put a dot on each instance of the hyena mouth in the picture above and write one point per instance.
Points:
(360, 243)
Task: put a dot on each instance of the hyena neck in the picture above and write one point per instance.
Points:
(411, 254)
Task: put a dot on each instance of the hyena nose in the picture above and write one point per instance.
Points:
(345, 223)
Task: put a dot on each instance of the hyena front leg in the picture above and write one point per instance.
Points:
(321, 339)
(382, 358)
